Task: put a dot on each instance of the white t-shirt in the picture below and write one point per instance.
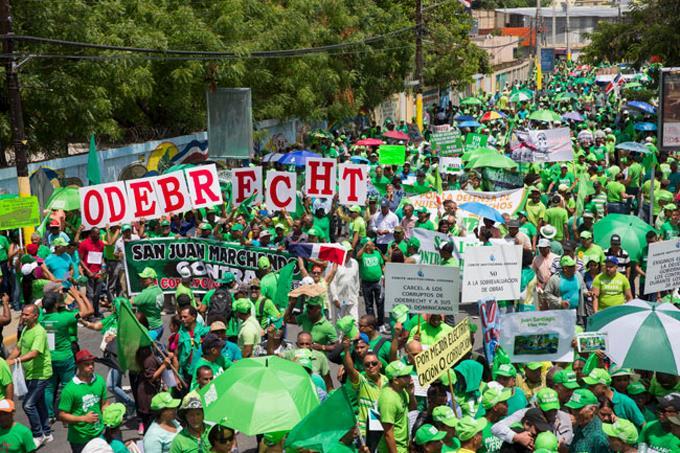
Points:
(119, 245)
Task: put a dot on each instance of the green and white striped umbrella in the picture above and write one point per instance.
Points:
(642, 335)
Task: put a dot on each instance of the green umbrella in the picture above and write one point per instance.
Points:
(632, 230)
(544, 115)
(632, 86)
(65, 198)
(471, 101)
(489, 161)
(583, 81)
(519, 96)
(478, 152)
(260, 395)
(562, 97)
(641, 335)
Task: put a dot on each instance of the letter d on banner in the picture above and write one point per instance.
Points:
(280, 191)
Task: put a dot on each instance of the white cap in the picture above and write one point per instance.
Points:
(543, 243)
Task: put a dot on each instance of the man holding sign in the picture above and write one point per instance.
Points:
(91, 252)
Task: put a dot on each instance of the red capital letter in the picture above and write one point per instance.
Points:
(318, 175)
(145, 203)
(173, 198)
(354, 176)
(111, 193)
(281, 204)
(87, 212)
(245, 179)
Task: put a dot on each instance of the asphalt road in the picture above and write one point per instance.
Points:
(91, 340)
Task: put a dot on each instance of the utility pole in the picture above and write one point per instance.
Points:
(539, 37)
(568, 29)
(16, 115)
(419, 64)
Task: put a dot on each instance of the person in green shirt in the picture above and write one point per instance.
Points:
(82, 402)
(112, 418)
(424, 221)
(303, 348)
(14, 437)
(368, 325)
(445, 420)
(211, 356)
(184, 288)
(534, 207)
(430, 332)
(622, 434)
(495, 403)
(150, 302)
(506, 375)
(265, 310)
(194, 436)
(249, 332)
(58, 323)
(587, 249)
(588, 434)
(33, 354)
(599, 382)
(563, 177)
(371, 264)
(6, 381)
(610, 288)
(671, 227)
(313, 321)
(428, 439)
(394, 402)
(557, 216)
(663, 434)
(190, 334)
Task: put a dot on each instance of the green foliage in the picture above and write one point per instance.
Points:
(133, 99)
(649, 29)
(494, 4)
(644, 94)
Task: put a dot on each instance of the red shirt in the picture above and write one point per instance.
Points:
(88, 251)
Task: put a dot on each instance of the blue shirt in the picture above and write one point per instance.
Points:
(59, 265)
(231, 351)
(569, 289)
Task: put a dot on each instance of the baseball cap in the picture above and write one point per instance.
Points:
(505, 369)
(598, 376)
(279, 226)
(113, 414)
(191, 400)
(242, 306)
(621, 429)
(347, 245)
(468, 427)
(619, 371)
(513, 223)
(205, 227)
(147, 272)
(615, 239)
(6, 405)
(227, 278)
(316, 300)
(399, 313)
(586, 235)
(265, 233)
(542, 243)
(670, 401)
(126, 227)
(84, 356)
(567, 261)
(414, 242)
(59, 242)
(355, 208)
(493, 395)
(588, 215)
(428, 433)
(385, 203)
(211, 341)
(546, 440)
(613, 260)
(397, 369)
(347, 326)
(312, 232)
(263, 262)
(547, 399)
(422, 210)
(566, 378)
(522, 213)
(445, 415)
(534, 365)
(165, 223)
(581, 398)
(635, 388)
(216, 326)
(237, 227)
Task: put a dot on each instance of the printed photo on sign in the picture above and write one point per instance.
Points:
(539, 344)
(538, 336)
(591, 342)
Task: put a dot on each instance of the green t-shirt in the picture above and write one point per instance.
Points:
(367, 393)
(58, 326)
(150, 302)
(16, 439)
(490, 443)
(670, 231)
(529, 229)
(615, 191)
(426, 225)
(430, 335)
(654, 438)
(635, 174)
(626, 408)
(268, 285)
(322, 331)
(393, 409)
(594, 252)
(319, 361)
(357, 225)
(249, 332)
(265, 311)
(79, 398)
(402, 245)
(217, 367)
(35, 339)
(186, 443)
(535, 212)
(4, 247)
(5, 378)
(557, 217)
(611, 289)
(370, 266)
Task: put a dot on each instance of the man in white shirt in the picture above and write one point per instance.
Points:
(119, 253)
(343, 291)
(383, 223)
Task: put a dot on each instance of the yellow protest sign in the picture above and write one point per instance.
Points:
(441, 356)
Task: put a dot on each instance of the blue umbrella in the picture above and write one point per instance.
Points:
(464, 118)
(646, 127)
(643, 107)
(359, 160)
(573, 116)
(482, 210)
(272, 157)
(469, 124)
(297, 158)
(634, 147)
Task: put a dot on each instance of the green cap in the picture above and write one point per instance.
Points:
(546, 440)
(191, 400)
(567, 261)
(113, 414)
(494, 395)
(636, 388)
(414, 242)
(163, 400)
(445, 415)
(348, 327)
(126, 227)
(598, 376)
(618, 371)
(468, 427)
(316, 300)
(399, 313)
(670, 206)
(59, 242)
(534, 365)
(242, 306)
(237, 227)
(581, 398)
(355, 208)
(621, 429)
(586, 235)
(566, 378)
(397, 369)
(505, 369)
(422, 210)
(147, 272)
(205, 227)
(312, 232)
(547, 399)
(263, 263)
(428, 433)
(346, 245)
(165, 223)
(227, 278)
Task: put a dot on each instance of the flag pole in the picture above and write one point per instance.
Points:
(172, 367)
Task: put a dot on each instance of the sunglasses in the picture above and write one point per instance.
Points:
(370, 364)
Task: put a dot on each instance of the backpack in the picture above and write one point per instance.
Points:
(220, 306)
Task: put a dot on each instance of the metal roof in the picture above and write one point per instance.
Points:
(574, 11)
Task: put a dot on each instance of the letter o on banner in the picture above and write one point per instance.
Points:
(93, 207)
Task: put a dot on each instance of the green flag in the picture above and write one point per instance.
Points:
(131, 336)
(245, 208)
(284, 285)
(323, 427)
(584, 188)
(93, 175)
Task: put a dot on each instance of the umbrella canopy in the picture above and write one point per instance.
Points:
(482, 210)
(396, 135)
(544, 115)
(642, 106)
(632, 230)
(489, 161)
(634, 147)
(297, 158)
(358, 160)
(562, 97)
(65, 198)
(260, 395)
(573, 116)
(491, 116)
(478, 152)
(471, 101)
(369, 142)
(646, 127)
(272, 157)
(520, 96)
(472, 124)
(641, 335)
(464, 118)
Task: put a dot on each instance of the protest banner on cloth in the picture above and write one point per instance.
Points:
(492, 272)
(544, 145)
(450, 165)
(429, 200)
(422, 288)
(391, 154)
(19, 212)
(504, 201)
(204, 260)
(473, 140)
(538, 336)
(663, 266)
(441, 356)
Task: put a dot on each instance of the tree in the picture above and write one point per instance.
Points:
(649, 29)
